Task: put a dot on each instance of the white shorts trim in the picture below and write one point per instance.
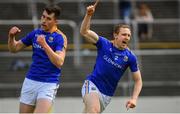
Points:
(33, 90)
(89, 87)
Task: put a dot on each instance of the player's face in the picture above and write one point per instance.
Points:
(122, 38)
(48, 21)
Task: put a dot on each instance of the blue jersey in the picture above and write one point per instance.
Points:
(110, 65)
(41, 68)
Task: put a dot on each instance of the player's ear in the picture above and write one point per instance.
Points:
(115, 35)
(56, 21)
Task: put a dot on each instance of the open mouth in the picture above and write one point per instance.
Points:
(43, 25)
(124, 42)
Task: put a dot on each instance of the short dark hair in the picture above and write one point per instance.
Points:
(119, 26)
(53, 9)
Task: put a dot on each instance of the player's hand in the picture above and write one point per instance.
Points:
(14, 31)
(41, 40)
(91, 8)
(131, 103)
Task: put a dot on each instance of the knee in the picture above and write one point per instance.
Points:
(94, 109)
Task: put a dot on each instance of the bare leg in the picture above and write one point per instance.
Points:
(24, 108)
(92, 104)
(43, 106)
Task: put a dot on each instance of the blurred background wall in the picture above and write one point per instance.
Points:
(158, 49)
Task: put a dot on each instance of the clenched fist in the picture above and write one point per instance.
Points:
(14, 31)
(41, 40)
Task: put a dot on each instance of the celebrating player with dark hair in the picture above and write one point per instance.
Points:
(49, 49)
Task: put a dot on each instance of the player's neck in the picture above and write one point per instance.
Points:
(53, 29)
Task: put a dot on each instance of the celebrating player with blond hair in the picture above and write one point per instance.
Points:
(113, 58)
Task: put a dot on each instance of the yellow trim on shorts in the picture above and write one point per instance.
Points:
(86, 86)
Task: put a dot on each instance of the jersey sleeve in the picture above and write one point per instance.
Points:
(27, 40)
(61, 43)
(133, 63)
(101, 41)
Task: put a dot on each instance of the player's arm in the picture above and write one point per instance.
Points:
(13, 45)
(57, 58)
(136, 91)
(85, 31)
